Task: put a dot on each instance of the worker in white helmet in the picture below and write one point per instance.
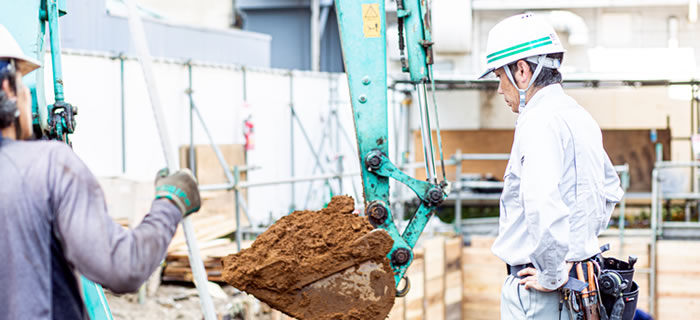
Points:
(53, 218)
(560, 187)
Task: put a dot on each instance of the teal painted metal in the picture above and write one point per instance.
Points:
(416, 25)
(363, 38)
(95, 300)
(61, 120)
(388, 169)
(55, 43)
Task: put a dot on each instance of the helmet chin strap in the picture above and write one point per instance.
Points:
(523, 92)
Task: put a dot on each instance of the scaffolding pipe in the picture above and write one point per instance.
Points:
(236, 177)
(653, 223)
(122, 105)
(243, 185)
(457, 190)
(315, 35)
(198, 271)
(624, 177)
(190, 152)
(292, 205)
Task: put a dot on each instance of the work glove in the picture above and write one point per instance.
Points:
(181, 188)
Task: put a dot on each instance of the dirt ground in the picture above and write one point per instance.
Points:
(182, 302)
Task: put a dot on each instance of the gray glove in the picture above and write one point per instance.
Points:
(181, 188)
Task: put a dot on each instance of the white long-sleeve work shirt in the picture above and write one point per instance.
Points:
(560, 188)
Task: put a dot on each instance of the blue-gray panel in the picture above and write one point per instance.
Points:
(278, 4)
(87, 26)
(290, 31)
(331, 51)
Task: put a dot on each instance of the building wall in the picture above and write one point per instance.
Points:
(290, 29)
(92, 82)
(215, 14)
(90, 26)
(630, 27)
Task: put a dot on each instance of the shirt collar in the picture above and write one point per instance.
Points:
(542, 92)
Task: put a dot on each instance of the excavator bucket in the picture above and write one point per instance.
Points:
(327, 264)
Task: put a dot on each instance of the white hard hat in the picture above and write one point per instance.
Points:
(10, 49)
(520, 37)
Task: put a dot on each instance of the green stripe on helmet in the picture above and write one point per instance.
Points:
(517, 46)
(519, 51)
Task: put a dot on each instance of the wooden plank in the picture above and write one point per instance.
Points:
(472, 141)
(453, 287)
(207, 227)
(484, 307)
(482, 276)
(435, 277)
(209, 170)
(453, 279)
(480, 256)
(676, 308)
(434, 257)
(678, 279)
(642, 279)
(415, 298)
(397, 312)
(483, 242)
(682, 284)
(435, 298)
(453, 254)
(678, 256)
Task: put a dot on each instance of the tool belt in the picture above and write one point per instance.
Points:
(601, 288)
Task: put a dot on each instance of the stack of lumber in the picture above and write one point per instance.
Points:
(483, 274)
(453, 279)
(414, 302)
(436, 282)
(213, 226)
(177, 265)
(678, 279)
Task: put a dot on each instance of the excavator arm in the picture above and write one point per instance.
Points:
(362, 26)
(367, 283)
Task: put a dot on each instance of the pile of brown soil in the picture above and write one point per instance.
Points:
(284, 264)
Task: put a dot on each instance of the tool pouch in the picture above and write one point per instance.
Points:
(618, 291)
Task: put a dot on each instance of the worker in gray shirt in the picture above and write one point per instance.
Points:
(53, 218)
(560, 187)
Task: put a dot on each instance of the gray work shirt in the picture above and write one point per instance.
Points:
(54, 224)
(560, 188)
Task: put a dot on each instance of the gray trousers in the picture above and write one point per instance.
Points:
(518, 303)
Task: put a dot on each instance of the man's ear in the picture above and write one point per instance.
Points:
(6, 87)
(524, 72)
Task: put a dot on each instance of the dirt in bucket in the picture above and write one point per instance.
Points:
(327, 264)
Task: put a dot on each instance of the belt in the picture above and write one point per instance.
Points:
(513, 270)
(573, 283)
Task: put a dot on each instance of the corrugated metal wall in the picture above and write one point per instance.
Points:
(89, 26)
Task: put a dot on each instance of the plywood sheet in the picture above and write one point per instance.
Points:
(209, 170)
(415, 303)
(633, 147)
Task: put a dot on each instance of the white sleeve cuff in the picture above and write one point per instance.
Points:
(554, 280)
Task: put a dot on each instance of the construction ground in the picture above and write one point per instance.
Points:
(260, 111)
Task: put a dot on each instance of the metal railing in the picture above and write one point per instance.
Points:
(658, 225)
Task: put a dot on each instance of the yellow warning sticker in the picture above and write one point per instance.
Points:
(371, 20)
